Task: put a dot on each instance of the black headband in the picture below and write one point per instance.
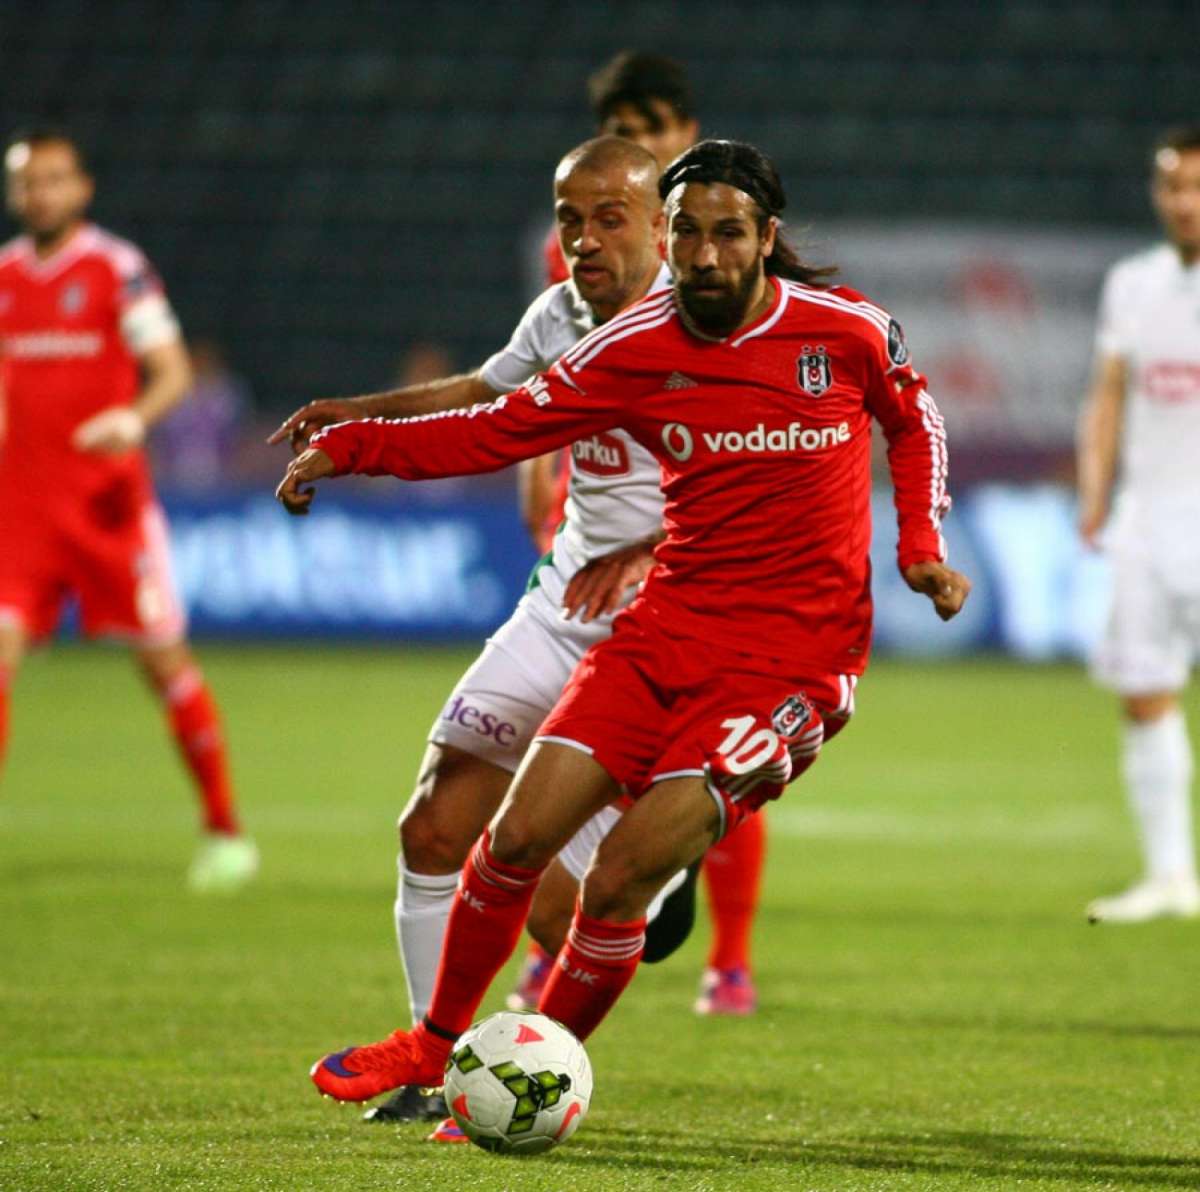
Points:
(769, 198)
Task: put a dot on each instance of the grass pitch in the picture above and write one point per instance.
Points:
(935, 1014)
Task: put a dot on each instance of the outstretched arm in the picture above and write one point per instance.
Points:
(447, 393)
(549, 412)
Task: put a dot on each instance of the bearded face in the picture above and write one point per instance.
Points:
(717, 248)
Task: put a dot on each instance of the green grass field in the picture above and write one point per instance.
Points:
(935, 1011)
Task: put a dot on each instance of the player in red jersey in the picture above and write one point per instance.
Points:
(647, 98)
(756, 390)
(90, 358)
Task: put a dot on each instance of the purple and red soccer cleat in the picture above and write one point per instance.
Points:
(535, 972)
(447, 1131)
(727, 992)
(360, 1073)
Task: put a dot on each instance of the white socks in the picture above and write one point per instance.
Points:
(423, 903)
(1158, 779)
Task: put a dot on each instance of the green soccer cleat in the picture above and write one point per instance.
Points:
(223, 864)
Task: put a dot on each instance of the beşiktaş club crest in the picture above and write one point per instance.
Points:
(813, 370)
(73, 298)
(791, 715)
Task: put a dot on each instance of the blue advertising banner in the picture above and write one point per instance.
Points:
(361, 567)
(354, 567)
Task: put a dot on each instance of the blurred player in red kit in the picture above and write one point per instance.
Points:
(647, 98)
(755, 385)
(90, 358)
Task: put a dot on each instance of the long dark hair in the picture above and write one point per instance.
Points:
(750, 170)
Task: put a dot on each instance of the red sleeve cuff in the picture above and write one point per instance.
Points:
(338, 445)
(928, 548)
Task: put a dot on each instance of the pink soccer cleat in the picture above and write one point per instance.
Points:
(360, 1073)
(726, 991)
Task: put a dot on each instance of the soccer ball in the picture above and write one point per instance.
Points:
(518, 1082)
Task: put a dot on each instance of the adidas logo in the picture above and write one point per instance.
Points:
(678, 381)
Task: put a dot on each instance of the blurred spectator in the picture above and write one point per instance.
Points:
(194, 445)
(422, 363)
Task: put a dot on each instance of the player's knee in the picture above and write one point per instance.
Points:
(12, 649)
(162, 664)
(1145, 709)
(454, 796)
(517, 839)
(430, 842)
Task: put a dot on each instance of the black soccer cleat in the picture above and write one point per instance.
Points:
(673, 924)
(409, 1104)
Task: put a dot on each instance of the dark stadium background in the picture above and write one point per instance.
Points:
(334, 191)
(321, 182)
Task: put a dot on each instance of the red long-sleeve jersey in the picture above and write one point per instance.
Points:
(764, 442)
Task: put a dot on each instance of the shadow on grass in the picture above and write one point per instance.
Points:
(950, 1152)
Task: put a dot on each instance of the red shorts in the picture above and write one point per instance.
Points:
(650, 706)
(119, 570)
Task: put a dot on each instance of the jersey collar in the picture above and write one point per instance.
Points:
(61, 258)
(763, 323)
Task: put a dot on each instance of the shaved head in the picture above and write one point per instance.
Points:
(610, 221)
(613, 156)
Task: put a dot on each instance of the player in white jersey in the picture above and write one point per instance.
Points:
(611, 225)
(1144, 406)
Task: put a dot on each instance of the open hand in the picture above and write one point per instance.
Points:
(111, 432)
(300, 426)
(599, 587)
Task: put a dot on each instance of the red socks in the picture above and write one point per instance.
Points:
(732, 874)
(490, 908)
(196, 726)
(591, 972)
(5, 682)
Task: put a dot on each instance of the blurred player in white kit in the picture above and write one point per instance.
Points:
(1144, 407)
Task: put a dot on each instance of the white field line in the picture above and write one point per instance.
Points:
(1073, 827)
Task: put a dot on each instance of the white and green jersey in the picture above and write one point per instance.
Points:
(614, 496)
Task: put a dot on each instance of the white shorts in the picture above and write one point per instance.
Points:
(577, 855)
(1153, 630)
(498, 705)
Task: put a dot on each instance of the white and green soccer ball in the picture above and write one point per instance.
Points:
(518, 1082)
